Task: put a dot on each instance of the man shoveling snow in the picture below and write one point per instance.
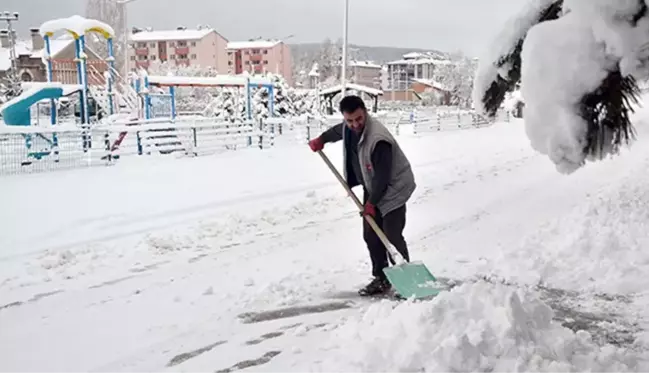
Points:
(374, 160)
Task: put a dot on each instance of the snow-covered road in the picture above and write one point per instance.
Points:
(248, 260)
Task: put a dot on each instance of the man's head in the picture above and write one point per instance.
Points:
(354, 112)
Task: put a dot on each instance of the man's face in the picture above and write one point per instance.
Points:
(355, 120)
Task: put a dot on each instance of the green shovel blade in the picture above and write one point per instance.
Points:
(413, 280)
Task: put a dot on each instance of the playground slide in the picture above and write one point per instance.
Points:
(16, 112)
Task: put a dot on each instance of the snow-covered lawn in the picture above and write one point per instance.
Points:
(182, 264)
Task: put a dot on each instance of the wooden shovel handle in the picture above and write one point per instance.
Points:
(370, 220)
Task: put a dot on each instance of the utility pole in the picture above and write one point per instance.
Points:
(126, 33)
(343, 73)
(13, 74)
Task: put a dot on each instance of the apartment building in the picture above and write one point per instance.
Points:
(203, 47)
(260, 56)
(364, 73)
(402, 73)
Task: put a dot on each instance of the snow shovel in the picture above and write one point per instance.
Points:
(410, 280)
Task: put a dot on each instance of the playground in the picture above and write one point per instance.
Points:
(112, 110)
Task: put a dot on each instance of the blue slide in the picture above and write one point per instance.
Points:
(15, 112)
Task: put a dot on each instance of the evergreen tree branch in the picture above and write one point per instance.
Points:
(494, 96)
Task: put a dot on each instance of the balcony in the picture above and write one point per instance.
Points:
(182, 50)
(255, 57)
(141, 51)
(143, 63)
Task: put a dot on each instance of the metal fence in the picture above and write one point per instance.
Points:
(35, 148)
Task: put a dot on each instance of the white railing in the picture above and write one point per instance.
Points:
(34, 148)
(29, 149)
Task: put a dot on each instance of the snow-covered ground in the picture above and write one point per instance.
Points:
(251, 259)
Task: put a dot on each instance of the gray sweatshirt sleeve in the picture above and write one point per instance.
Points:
(333, 134)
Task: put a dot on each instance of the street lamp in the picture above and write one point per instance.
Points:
(126, 32)
(11, 17)
(343, 73)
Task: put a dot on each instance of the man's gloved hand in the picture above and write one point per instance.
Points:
(369, 209)
(316, 144)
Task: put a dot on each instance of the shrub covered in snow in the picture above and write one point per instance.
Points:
(577, 62)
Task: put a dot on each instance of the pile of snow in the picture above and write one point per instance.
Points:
(475, 327)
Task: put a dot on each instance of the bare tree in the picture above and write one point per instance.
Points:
(112, 13)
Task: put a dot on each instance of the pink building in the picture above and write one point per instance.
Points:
(259, 56)
(202, 47)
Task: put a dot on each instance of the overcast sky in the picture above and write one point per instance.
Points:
(447, 25)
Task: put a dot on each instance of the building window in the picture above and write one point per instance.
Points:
(265, 51)
(182, 56)
(265, 62)
(173, 56)
(229, 63)
(142, 58)
(193, 56)
(153, 58)
(132, 58)
(193, 43)
(141, 45)
(182, 43)
(152, 45)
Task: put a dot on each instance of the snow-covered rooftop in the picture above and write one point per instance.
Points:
(421, 61)
(432, 83)
(352, 86)
(24, 47)
(168, 35)
(68, 89)
(364, 64)
(252, 44)
(220, 80)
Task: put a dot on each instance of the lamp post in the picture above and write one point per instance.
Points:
(126, 32)
(343, 73)
(11, 17)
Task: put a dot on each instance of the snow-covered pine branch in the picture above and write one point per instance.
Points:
(578, 77)
(500, 69)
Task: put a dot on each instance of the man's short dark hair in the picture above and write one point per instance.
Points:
(350, 104)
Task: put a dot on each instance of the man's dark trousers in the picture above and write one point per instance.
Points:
(392, 225)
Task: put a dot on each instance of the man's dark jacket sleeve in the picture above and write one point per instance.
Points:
(382, 164)
(333, 134)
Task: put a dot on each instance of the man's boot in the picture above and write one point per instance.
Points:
(377, 286)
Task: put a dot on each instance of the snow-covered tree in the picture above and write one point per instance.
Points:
(578, 63)
(190, 99)
(112, 13)
(457, 78)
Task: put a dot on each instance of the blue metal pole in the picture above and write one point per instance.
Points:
(147, 99)
(111, 63)
(50, 76)
(84, 78)
(77, 56)
(172, 92)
